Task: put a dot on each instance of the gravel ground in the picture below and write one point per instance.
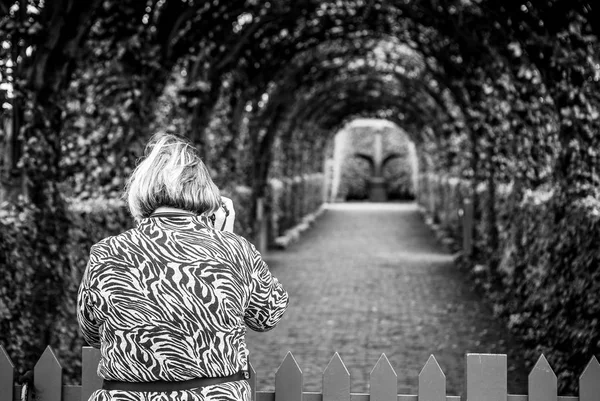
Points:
(368, 279)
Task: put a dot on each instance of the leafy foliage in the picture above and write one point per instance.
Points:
(37, 300)
(495, 94)
(546, 281)
(33, 317)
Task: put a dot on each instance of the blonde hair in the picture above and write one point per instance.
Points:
(170, 174)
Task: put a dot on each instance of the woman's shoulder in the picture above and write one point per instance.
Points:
(238, 241)
(233, 238)
(114, 241)
(109, 248)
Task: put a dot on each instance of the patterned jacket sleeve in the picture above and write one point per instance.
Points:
(268, 299)
(87, 298)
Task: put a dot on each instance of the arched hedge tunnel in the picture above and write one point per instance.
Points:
(500, 98)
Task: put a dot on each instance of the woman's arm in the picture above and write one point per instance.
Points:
(268, 299)
(87, 298)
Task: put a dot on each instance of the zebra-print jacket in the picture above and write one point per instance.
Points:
(168, 301)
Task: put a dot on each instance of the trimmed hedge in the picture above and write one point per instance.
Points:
(551, 278)
(26, 324)
(26, 327)
(290, 199)
(544, 275)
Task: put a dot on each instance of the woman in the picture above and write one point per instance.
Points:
(167, 302)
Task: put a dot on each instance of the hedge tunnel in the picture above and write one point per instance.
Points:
(500, 98)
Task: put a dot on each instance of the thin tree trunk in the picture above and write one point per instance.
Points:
(492, 223)
(201, 115)
(234, 125)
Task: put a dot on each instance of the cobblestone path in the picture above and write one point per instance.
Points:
(370, 279)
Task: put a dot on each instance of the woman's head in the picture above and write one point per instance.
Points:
(170, 174)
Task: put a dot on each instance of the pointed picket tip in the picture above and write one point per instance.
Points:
(543, 384)
(5, 359)
(432, 382)
(288, 380)
(47, 376)
(432, 368)
(7, 374)
(336, 380)
(336, 366)
(589, 381)
(383, 381)
(542, 368)
(383, 365)
(289, 364)
(48, 359)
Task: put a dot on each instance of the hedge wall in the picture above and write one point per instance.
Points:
(290, 199)
(27, 324)
(551, 278)
(543, 275)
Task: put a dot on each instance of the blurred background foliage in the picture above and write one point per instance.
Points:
(500, 100)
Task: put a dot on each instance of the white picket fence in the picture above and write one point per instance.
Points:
(486, 380)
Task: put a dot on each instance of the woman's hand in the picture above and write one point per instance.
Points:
(225, 216)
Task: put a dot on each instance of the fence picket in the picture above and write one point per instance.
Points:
(252, 381)
(288, 380)
(90, 381)
(336, 380)
(486, 377)
(486, 380)
(383, 382)
(47, 377)
(543, 385)
(432, 382)
(7, 376)
(589, 382)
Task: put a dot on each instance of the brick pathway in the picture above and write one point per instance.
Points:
(370, 279)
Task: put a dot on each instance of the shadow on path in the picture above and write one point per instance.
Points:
(370, 279)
